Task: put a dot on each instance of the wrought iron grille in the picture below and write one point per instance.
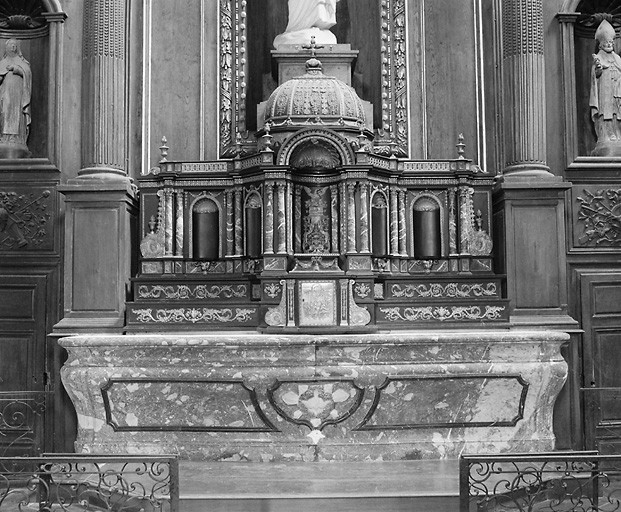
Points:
(559, 482)
(22, 415)
(71, 482)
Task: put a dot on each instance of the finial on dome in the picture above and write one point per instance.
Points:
(313, 64)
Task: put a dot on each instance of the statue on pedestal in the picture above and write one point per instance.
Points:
(309, 18)
(605, 99)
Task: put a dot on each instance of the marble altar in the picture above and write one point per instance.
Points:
(349, 397)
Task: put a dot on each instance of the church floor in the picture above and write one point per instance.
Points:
(396, 486)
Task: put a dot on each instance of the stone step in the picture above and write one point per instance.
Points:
(396, 486)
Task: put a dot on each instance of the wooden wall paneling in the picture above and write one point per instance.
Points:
(451, 80)
(601, 320)
(175, 78)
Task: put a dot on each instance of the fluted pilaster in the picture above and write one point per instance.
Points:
(104, 82)
(524, 82)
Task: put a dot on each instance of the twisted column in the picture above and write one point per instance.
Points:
(103, 85)
(524, 78)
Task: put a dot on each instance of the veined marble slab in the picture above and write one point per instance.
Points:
(266, 397)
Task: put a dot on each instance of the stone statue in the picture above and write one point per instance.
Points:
(309, 18)
(605, 98)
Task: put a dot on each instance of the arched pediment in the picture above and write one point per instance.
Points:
(333, 145)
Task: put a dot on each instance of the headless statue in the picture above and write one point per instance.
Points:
(309, 18)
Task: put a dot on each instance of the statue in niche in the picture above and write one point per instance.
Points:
(605, 98)
(309, 18)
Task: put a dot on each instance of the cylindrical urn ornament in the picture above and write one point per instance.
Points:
(206, 230)
(427, 229)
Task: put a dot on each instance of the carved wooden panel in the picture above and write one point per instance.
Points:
(26, 218)
(596, 217)
(22, 353)
(601, 316)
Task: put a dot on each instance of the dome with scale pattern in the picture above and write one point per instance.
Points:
(314, 99)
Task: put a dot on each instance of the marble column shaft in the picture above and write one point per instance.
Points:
(179, 224)
(268, 231)
(452, 221)
(364, 218)
(402, 225)
(281, 223)
(351, 217)
(298, 219)
(239, 235)
(230, 224)
(524, 80)
(394, 223)
(104, 82)
(334, 217)
(168, 222)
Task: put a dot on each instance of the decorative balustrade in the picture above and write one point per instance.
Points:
(72, 482)
(559, 482)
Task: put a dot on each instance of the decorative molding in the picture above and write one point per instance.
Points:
(394, 136)
(302, 137)
(194, 315)
(206, 167)
(358, 316)
(187, 292)
(277, 316)
(442, 313)
(438, 290)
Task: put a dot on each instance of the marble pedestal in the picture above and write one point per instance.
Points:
(245, 396)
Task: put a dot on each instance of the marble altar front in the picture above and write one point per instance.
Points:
(351, 397)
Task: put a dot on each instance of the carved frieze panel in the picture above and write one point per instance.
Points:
(26, 219)
(392, 137)
(597, 217)
(193, 315)
(449, 313)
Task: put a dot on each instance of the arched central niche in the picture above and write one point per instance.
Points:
(314, 156)
(358, 24)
